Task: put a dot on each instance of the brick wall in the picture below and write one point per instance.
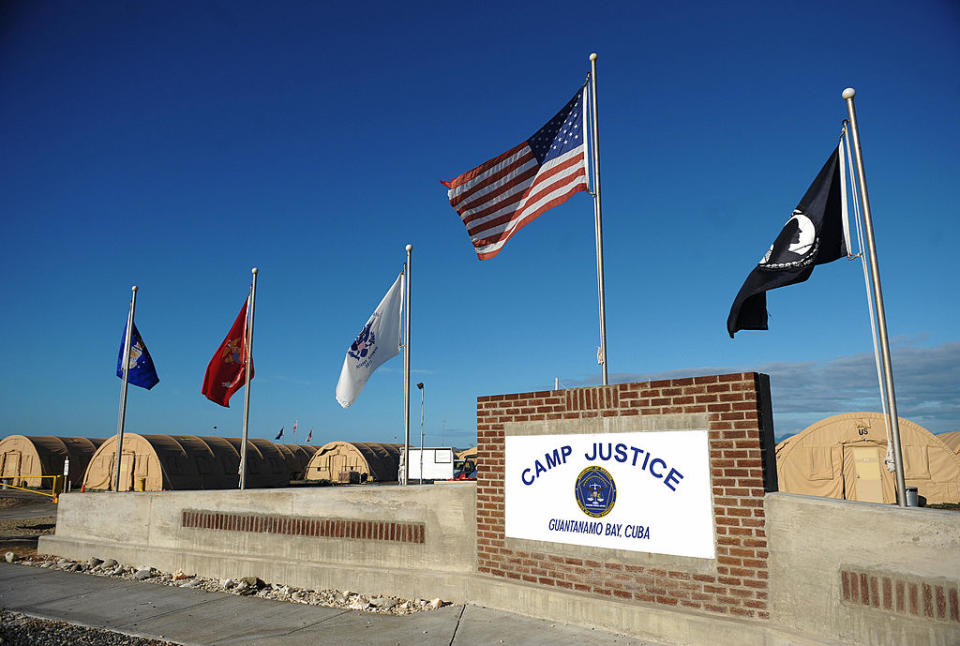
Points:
(366, 530)
(736, 405)
(901, 594)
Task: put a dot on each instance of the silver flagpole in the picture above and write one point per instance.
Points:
(848, 95)
(246, 394)
(123, 387)
(602, 358)
(406, 370)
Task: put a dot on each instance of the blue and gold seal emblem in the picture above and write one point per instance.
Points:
(596, 492)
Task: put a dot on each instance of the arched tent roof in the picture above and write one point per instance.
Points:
(23, 458)
(843, 457)
(952, 440)
(302, 453)
(335, 460)
(157, 462)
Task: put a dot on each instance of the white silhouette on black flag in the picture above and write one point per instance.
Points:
(813, 235)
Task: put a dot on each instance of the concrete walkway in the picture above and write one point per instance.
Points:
(199, 618)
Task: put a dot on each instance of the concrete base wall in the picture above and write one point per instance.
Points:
(864, 573)
(817, 548)
(359, 553)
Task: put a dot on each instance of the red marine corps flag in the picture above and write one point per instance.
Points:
(225, 373)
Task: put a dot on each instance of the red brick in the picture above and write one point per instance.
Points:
(927, 600)
(940, 599)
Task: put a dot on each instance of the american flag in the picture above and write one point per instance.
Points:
(499, 197)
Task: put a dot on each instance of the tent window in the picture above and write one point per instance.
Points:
(819, 462)
(916, 462)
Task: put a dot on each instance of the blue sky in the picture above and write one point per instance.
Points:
(176, 145)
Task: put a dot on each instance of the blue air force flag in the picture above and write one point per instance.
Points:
(378, 341)
(142, 371)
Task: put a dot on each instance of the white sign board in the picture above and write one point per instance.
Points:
(645, 492)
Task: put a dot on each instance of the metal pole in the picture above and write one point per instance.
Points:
(406, 370)
(420, 386)
(848, 94)
(123, 387)
(249, 362)
(596, 208)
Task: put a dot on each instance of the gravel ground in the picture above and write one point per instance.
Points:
(20, 630)
(19, 535)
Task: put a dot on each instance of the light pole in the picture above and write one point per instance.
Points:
(420, 388)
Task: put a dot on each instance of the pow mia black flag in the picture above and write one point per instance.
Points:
(812, 236)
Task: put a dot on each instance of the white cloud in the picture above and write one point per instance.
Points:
(926, 379)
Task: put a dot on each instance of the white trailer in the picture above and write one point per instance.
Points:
(437, 463)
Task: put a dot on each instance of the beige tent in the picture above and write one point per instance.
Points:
(952, 440)
(355, 462)
(23, 459)
(158, 462)
(467, 454)
(843, 457)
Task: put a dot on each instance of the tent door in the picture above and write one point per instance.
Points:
(10, 467)
(127, 461)
(338, 465)
(867, 461)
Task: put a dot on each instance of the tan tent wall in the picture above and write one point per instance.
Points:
(275, 472)
(289, 459)
(370, 460)
(265, 465)
(228, 459)
(302, 454)
(843, 457)
(23, 459)
(952, 440)
(158, 462)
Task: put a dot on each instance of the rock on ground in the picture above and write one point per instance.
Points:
(242, 585)
(20, 630)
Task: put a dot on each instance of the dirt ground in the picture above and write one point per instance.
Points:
(19, 533)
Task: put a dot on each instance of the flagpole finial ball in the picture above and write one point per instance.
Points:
(254, 271)
(134, 288)
(849, 93)
(409, 247)
(593, 57)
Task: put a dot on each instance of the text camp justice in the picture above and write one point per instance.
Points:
(604, 452)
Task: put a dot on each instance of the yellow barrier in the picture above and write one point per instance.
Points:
(55, 490)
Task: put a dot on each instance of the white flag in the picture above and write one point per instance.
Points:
(378, 341)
